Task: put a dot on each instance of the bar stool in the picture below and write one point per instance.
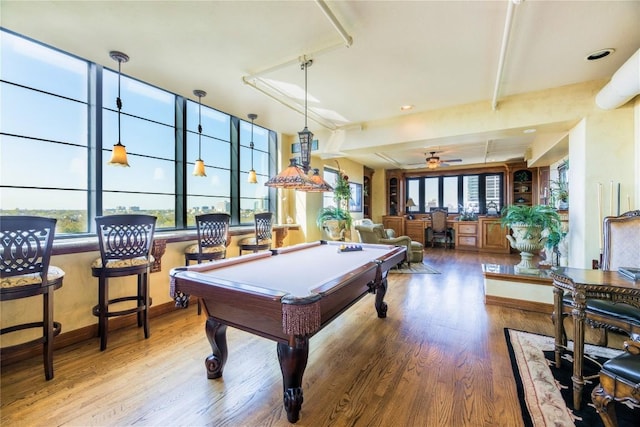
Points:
(125, 250)
(262, 238)
(213, 239)
(26, 245)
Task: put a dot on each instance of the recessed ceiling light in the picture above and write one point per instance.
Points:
(599, 54)
(528, 131)
(406, 107)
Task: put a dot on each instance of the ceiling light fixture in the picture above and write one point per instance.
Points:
(295, 176)
(253, 177)
(599, 54)
(198, 169)
(119, 153)
(406, 107)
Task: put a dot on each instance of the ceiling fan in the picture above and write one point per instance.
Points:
(434, 161)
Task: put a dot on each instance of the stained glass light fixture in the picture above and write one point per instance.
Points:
(198, 169)
(119, 153)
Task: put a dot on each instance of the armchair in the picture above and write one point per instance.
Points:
(375, 233)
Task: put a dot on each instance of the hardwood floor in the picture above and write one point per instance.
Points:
(438, 359)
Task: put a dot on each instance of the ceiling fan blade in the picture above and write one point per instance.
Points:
(452, 160)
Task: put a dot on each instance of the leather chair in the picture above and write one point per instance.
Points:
(213, 240)
(621, 237)
(619, 382)
(125, 250)
(375, 233)
(263, 236)
(439, 227)
(25, 253)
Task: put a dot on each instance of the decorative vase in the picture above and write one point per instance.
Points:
(528, 240)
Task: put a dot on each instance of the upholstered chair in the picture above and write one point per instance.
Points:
(25, 253)
(263, 236)
(376, 234)
(125, 250)
(619, 382)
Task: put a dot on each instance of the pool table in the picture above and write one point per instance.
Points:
(286, 295)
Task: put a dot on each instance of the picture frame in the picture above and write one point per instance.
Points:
(355, 202)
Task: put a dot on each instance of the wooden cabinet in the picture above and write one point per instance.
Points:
(523, 186)
(396, 223)
(415, 229)
(466, 235)
(395, 204)
(367, 180)
(493, 236)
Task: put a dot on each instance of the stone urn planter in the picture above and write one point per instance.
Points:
(528, 240)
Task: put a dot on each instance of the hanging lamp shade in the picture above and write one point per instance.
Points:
(319, 184)
(198, 168)
(119, 153)
(292, 177)
(253, 177)
(119, 156)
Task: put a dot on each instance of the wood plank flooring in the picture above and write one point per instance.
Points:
(438, 359)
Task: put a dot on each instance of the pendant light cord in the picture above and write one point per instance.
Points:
(118, 100)
(199, 127)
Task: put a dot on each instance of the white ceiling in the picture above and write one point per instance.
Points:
(430, 54)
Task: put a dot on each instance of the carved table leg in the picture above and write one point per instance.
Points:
(558, 326)
(293, 361)
(381, 291)
(217, 335)
(578, 347)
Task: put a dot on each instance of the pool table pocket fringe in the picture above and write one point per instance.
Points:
(301, 319)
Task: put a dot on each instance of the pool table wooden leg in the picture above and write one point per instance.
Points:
(217, 335)
(293, 361)
(381, 290)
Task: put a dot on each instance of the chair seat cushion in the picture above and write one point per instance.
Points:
(193, 249)
(53, 274)
(619, 310)
(252, 241)
(122, 263)
(626, 366)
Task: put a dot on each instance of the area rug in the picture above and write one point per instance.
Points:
(415, 268)
(546, 392)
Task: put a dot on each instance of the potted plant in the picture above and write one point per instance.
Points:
(336, 220)
(527, 224)
(560, 194)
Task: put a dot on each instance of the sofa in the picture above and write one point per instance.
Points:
(376, 233)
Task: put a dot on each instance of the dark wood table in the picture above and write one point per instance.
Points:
(582, 285)
(286, 295)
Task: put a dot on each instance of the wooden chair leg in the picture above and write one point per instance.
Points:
(145, 311)
(48, 334)
(605, 406)
(103, 307)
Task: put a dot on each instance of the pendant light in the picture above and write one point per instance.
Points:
(198, 169)
(253, 177)
(295, 175)
(305, 135)
(119, 153)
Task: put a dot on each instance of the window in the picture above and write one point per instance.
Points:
(147, 129)
(254, 198)
(331, 177)
(44, 116)
(213, 192)
(56, 140)
(472, 192)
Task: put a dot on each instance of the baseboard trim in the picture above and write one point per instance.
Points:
(518, 304)
(85, 333)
